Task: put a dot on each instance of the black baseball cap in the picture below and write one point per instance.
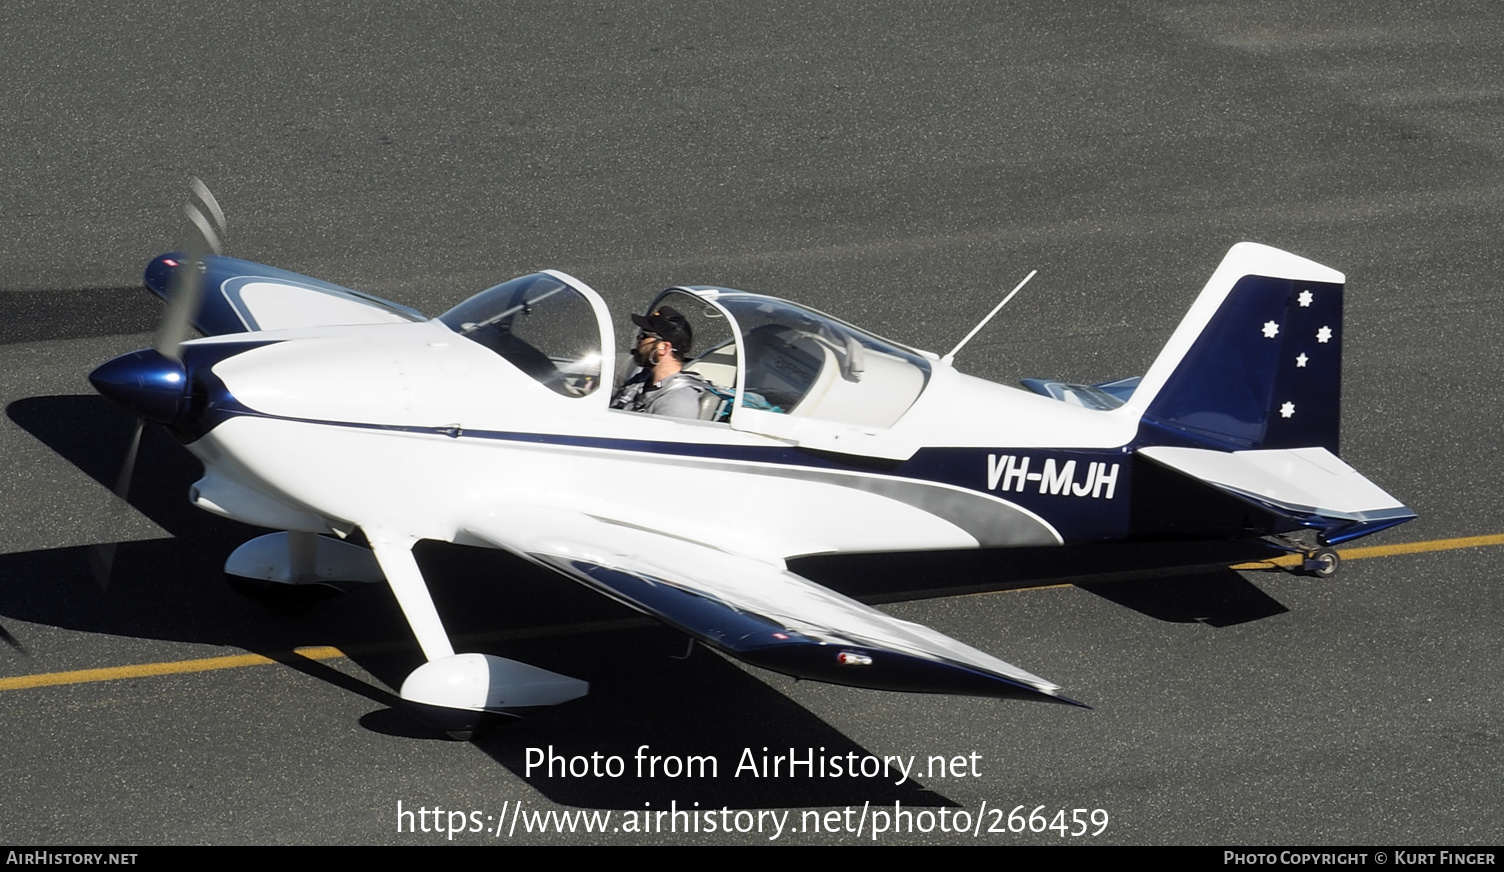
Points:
(667, 324)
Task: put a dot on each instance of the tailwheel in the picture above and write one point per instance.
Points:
(1321, 563)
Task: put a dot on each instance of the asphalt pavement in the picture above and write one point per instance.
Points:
(899, 165)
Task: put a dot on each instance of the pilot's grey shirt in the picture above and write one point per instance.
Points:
(677, 396)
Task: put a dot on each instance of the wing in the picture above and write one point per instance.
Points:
(242, 297)
(1311, 486)
(755, 611)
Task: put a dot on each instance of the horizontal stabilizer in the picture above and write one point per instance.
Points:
(1309, 485)
(755, 611)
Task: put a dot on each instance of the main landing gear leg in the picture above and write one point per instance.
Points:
(458, 693)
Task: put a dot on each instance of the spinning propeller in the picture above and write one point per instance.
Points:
(188, 284)
(164, 389)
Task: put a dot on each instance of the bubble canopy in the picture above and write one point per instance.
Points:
(793, 360)
(544, 324)
(763, 354)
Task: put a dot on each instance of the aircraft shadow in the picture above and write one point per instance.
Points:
(1179, 582)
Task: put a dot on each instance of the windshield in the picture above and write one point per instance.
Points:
(541, 325)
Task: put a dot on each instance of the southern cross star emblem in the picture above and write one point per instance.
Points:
(1271, 330)
(1300, 360)
(1305, 298)
(1324, 334)
(1287, 410)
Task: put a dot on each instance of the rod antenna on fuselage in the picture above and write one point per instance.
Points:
(949, 358)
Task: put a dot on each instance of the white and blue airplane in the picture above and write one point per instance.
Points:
(319, 411)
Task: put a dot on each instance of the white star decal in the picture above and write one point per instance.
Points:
(1305, 298)
(1300, 361)
(1287, 410)
(1271, 330)
(1324, 334)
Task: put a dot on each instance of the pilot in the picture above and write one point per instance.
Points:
(661, 386)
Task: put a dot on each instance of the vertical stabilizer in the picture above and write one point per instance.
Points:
(1257, 361)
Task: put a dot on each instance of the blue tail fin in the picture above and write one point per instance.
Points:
(1257, 362)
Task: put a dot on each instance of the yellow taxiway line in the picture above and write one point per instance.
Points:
(174, 667)
(235, 661)
(1385, 550)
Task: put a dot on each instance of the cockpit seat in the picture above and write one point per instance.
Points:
(711, 404)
